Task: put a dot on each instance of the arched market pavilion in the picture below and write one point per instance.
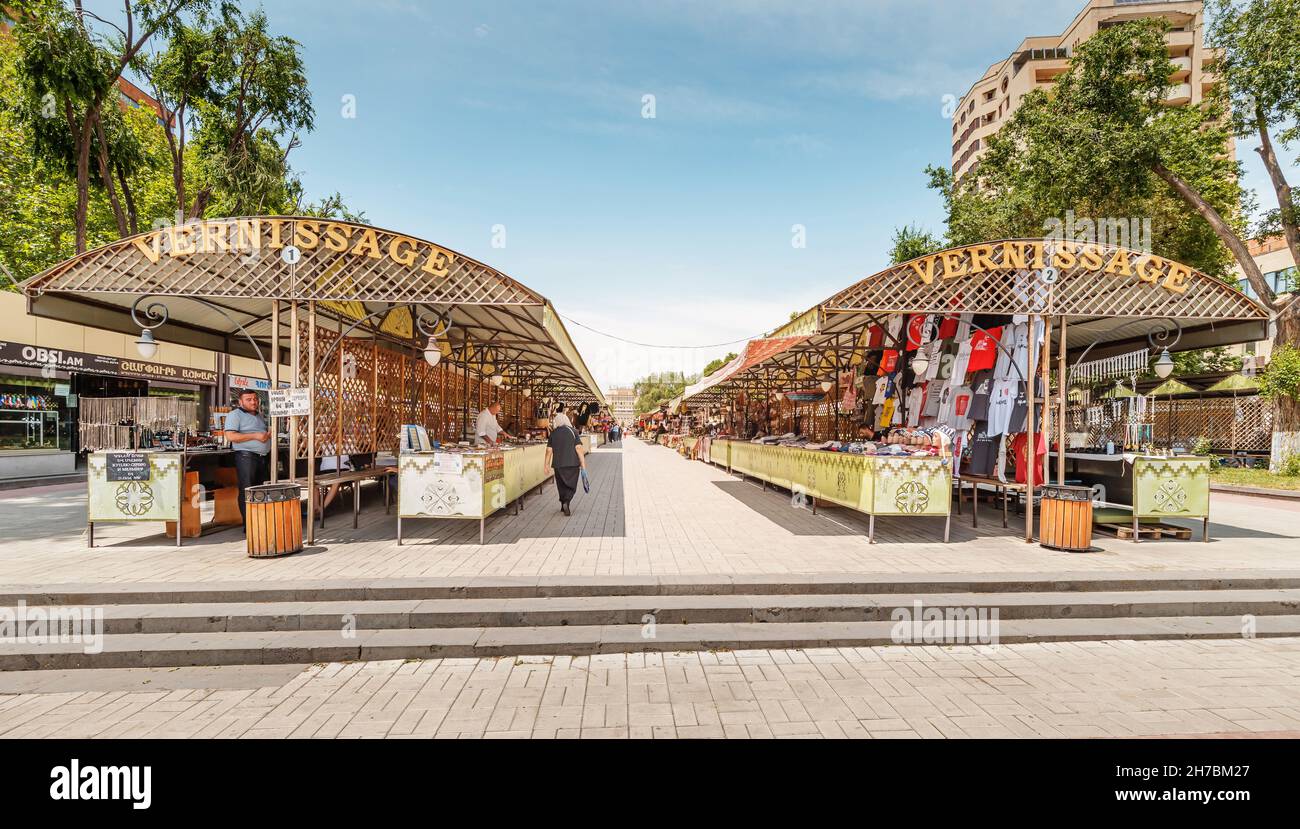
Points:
(428, 336)
(1103, 309)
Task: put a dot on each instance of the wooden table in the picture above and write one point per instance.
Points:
(353, 476)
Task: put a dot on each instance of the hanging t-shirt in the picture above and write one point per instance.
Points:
(984, 454)
(982, 386)
(878, 395)
(1018, 446)
(1001, 401)
(888, 362)
(934, 397)
(915, 404)
(933, 353)
(886, 414)
(948, 328)
(895, 329)
(960, 365)
(961, 400)
(1015, 346)
(915, 331)
(1020, 409)
(984, 349)
(875, 337)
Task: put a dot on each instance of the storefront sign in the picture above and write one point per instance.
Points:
(238, 381)
(290, 402)
(126, 466)
(1063, 255)
(55, 359)
(244, 237)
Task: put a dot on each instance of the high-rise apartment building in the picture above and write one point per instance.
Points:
(1038, 61)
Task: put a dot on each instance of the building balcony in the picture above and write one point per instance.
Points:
(1180, 94)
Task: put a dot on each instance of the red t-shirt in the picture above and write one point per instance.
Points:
(877, 337)
(983, 350)
(888, 362)
(948, 328)
(1018, 444)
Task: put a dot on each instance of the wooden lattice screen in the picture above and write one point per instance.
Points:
(384, 389)
(1241, 424)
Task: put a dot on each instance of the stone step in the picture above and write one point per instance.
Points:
(204, 617)
(308, 646)
(561, 586)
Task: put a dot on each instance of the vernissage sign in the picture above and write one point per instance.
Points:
(57, 359)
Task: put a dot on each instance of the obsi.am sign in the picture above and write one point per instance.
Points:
(289, 402)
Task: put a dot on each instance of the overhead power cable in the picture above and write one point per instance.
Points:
(658, 345)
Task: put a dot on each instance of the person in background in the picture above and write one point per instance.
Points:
(561, 417)
(488, 431)
(246, 430)
(566, 458)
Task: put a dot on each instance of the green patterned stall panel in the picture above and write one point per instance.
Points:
(157, 499)
(832, 477)
(428, 489)
(525, 468)
(688, 443)
(744, 458)
(720, 452)
(1171, 487)
(909, 486)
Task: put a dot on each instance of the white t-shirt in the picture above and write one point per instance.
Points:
(1001, 401)
(487, 426)
(958, 376)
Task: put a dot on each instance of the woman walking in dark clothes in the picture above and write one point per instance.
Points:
(565, 455)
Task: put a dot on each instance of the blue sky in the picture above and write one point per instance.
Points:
(676, 229)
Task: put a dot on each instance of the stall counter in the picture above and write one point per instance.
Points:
(1152, 487)
(467, 483)
(872, 484)
(143, 485)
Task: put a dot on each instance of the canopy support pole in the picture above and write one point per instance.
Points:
(1031, 357)
(311, 419)
(275, 384)
(295, 368)
(1060, 404)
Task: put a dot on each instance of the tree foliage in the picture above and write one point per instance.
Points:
(654, 390)
(912, 242)
(235, 100)
(714, 365)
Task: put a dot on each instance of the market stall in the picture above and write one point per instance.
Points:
(467, 483)
(980, 343)
(375, 329)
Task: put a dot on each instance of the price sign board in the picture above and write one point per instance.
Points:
(289, 402)
(126, 466)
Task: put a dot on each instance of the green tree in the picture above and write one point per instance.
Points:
(714, 365)
(72, 60)
(242, 94)
(912, 242)
(1259, 42)
(654, 390)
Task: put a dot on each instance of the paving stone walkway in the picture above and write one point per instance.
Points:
(650, 512)
(1084, 689)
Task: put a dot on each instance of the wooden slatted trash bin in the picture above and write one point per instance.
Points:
(1066, 521)
(274, 520)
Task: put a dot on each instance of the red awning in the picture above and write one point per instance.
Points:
(756, 351)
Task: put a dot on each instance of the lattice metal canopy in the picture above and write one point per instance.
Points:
(1113, 297)
(350, 270)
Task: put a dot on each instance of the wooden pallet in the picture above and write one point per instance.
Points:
(1156, 531)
